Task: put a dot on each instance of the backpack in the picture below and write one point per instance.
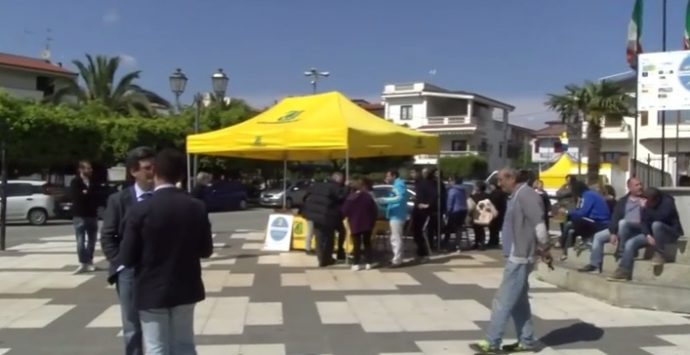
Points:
(484, 213)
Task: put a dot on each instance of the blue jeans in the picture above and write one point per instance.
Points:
(632, 245)
(169, 331)
(663, 234)
(626, 230)
(86, 230)
(512, 300)
(131, 328)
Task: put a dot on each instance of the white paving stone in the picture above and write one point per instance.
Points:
(264, 313)
(483, 277)
(295, 279)
(570, 305)
(255, 236)
(681, 345)
(391, 313)
(216, 280)
(458, 347)
(347, 280)
(28, 282)
(246, 349)
(294, 259)
(60, 238)
(29, 312)
(217, 259)
(41, 261)
(252, 246)
(110, 318)
(470, 260)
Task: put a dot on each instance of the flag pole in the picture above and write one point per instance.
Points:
(663, 112)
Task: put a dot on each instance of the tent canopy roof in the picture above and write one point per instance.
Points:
(315, 127)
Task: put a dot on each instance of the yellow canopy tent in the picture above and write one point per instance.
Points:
(315, 127)
(554, 177)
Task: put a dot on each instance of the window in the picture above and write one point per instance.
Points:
(673, 116)
(644, 118)
(536, 146)
(483, 146)
(15, 190)
(500, 150)
(406, 112)
(459, 146)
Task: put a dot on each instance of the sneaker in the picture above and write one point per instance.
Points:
(518, 348)
(422, 259)
(484, 348)
(356, 267)
(91, 268)
(81, 269)
(658, 259)
(588, 268)
(619, 275)
(394, 264)
(368, 267)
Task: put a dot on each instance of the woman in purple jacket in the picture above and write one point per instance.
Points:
(361, 211)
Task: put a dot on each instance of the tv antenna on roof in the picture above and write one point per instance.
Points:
(45, 55)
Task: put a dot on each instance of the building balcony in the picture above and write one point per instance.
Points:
(448, 120)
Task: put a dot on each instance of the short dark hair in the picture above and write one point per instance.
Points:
(652, 193)
(481, 186)
(394, 173)
(84, 162)
(136, 155)
(458, 180)
(170, 165)
(578, 188)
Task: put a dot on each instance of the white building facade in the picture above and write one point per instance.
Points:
(31, 78)
(467, 123)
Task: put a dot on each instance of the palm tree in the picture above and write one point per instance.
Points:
(123, 96)
(591, 103)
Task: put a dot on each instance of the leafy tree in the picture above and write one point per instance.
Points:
(465, 167)
(591, 103)
(122, 96)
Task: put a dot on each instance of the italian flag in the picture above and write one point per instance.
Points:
(686, 39)
(634, 33)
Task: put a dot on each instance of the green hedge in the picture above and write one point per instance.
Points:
(471, 167)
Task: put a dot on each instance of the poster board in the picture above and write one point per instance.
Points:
(663, 81)
(278, 232)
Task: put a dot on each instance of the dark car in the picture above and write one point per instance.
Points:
(225, 196)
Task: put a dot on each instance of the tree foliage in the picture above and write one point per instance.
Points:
(466, 167)
(591, 103)
(123, 96)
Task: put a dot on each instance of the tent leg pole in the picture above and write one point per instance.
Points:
(438, 205)
(189, 173)
(347, 164)
(285, 183)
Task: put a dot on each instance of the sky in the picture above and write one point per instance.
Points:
(515, 51)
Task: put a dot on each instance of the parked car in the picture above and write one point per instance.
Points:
(225, 196)
(30, 200)
(294, 198)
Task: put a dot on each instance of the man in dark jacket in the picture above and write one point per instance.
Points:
(425, 207)
(165, 237)
(322, 206)
(660, 226)
(84, 193)
(139, 165)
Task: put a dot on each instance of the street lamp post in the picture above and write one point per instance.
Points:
(315, 75)
(178, 82)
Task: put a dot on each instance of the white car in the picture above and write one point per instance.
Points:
(30, 200)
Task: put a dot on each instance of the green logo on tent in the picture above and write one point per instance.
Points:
(290, 116)
(257, 141)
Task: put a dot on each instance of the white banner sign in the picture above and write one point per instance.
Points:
(663, 81)
(278, 232)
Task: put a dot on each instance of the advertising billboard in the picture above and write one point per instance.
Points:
(663, 81)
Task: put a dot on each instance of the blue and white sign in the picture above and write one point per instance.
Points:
(663, 81)
(278, 232)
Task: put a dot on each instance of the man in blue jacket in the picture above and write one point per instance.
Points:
(660, 226)
(456, 207)
(591, 217)
(396, 213)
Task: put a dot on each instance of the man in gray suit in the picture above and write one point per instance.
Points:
(140, 168)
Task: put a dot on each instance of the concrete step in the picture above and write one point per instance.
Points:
(632, 294)
(676, 252)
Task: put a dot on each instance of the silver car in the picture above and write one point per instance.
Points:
(295, 195)
(30, 200)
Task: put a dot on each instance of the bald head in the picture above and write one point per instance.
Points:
(337, 177)
(635, 187)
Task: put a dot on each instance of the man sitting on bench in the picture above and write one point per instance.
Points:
(660, 226)
(625, 223)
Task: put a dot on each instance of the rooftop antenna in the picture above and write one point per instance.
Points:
(45, 55)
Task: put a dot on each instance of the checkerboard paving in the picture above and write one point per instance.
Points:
(269, 303)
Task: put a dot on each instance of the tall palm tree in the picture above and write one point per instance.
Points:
(591, 103)
(123, 96)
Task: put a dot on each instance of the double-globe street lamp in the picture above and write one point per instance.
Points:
(178, 83)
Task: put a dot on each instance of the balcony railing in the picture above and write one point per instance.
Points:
(451, 154)
(447, 120)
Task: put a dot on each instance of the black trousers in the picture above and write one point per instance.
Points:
(341, 241)
(479, 235)
(456, 223)
(419, 220)
(361, 241)
(325, 236)
(494, 230)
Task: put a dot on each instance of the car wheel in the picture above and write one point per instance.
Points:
(37, 217)
(288, 203)
(243, 205)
